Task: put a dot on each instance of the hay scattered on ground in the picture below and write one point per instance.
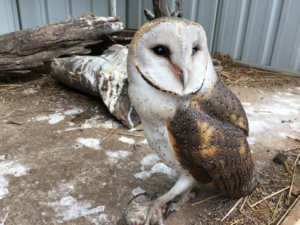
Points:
(238, 74)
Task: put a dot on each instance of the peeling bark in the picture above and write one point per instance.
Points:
(30, 48)
(103, 76)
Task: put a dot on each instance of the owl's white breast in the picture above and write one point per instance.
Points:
(156, 107)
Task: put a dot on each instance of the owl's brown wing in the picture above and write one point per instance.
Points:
(208, 136)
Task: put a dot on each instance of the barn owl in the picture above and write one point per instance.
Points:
(191, 120)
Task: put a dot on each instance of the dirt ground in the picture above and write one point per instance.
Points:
(53, 170)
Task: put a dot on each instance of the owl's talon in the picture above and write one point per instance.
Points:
(170, 209)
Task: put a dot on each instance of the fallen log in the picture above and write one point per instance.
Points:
(103, 76)
(32, 47)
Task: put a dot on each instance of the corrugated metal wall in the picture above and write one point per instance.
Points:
(263, 32)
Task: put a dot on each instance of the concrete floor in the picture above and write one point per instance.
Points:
(51, 172)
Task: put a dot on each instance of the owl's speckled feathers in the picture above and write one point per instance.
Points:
(191, 120)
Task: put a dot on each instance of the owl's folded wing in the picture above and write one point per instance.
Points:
(208, 136)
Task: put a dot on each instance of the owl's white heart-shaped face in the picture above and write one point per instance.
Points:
(171, 55)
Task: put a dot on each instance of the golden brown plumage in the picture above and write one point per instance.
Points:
(209, 140)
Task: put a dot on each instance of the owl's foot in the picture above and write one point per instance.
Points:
(148, 214)
(184, 198)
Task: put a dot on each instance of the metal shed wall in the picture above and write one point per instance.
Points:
(261, 32)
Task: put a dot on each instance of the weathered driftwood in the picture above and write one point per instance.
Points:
(161, 9)
(103, 76)
(29, 48)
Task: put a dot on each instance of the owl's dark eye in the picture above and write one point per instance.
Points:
(160, 50)
(195, 49)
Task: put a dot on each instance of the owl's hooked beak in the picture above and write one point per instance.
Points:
(184, 78)
(182, 75)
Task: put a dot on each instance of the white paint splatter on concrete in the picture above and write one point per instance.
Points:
(145, 142)
(157, 168)
(137, 191)
(69, 208)
(127, 140)
(251, 140)
(150, 160)
(90, 142)
(3, 187)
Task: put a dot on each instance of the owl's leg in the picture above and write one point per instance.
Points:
(184, 184)
(184, 198)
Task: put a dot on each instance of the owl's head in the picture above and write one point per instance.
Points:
(171, 55)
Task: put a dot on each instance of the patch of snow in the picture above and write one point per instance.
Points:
(127, 140)
(55, 118)
(295, 106)
(278, 110)
(137, 191)
(157, 168)
(295, 126)
(11, 168)
(145, 142)
(288, 94)
(41, 118)
(282, 134)
(69, 208)
(2, 157)
(108, 124)
(3, 185)
(132, 129)
(73, 111)
(257, 125)
(251, 140)
(90, 142)
(150, 160)
(113, 157)
(99, 219)
(246, 103)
